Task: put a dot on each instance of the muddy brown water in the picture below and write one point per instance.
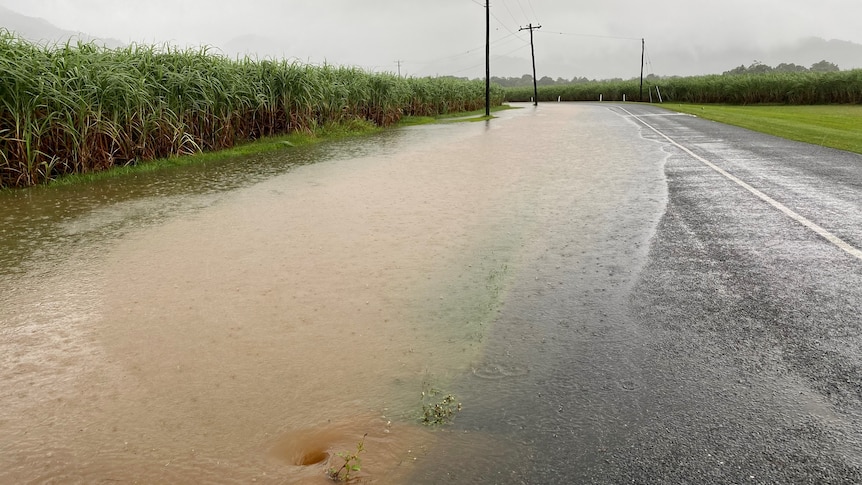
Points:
(251, 319)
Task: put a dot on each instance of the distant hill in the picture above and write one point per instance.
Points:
(804, 52)
(41, 31)
(847, 55)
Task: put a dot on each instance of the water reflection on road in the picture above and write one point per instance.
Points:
(250, 319)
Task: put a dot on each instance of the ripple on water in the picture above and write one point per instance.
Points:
(391, 449)
(497, 370)
(306, 447)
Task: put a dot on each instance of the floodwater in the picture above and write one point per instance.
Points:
(248, 320)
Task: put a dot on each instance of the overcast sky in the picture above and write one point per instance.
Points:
(590, 38)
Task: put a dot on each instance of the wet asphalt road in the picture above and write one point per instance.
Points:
(754, 318)
(731, 356)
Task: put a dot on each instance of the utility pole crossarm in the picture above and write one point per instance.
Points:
(531, 28)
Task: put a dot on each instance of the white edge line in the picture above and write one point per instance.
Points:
(840, 243)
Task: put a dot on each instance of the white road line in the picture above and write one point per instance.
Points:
(840, 243)
(660, 115)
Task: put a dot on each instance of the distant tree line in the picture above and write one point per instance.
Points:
(527, 80)
(758, 67)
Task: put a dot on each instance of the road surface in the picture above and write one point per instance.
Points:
(728, 353)
(615, 292)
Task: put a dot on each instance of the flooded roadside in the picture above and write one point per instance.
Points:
(228, 331)
(563, 373)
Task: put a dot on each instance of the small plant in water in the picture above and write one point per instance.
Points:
(442, 412)
(352, 463)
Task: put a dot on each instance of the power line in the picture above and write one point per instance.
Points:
(535, 17)
(498, 42)
(494, 57)
(503, 25)
(649, 62)
(521, 6)
(594, 35)
(475, 66)
(516, 49)
(489, 13)
(510, 12)
(470, 51)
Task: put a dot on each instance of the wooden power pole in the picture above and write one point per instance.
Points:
(643, 51)
(487, 58)
(531, 28)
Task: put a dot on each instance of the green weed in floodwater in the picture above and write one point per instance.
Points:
(438, 412)
(352, 463)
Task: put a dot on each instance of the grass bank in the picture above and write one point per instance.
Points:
(264, 145)
(318, 134)
(835, 126)
(462, 117)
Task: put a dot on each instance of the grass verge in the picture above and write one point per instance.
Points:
(263, 145)
(463, 117)
(317, 135)
(835, 126)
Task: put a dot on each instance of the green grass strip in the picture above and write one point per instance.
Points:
(835, 126)
(462, 117)
(328, 132)
(268, 144)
